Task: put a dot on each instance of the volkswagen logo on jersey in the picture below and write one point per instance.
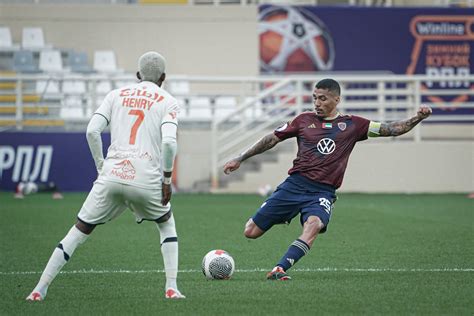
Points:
(326, 146)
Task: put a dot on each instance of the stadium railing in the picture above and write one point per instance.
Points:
(235, 109)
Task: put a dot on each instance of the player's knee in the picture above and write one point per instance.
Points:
(313, 225)
(252, 231)
(167, 229)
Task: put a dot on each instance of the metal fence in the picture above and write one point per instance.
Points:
(235, 109)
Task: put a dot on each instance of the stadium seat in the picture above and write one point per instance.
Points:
(105, 61)
(255, 111)
(72, 108)
(103, 87)
(23, 61)
(33, 38)
(183, 106)
(50, 61)
(123, 83)
(178, 88)
(74, 87)
(48, 89)
(224, 106)
(6, 39)
(200, 108)
(78, 62)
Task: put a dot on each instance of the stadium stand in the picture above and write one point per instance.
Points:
(64, 100)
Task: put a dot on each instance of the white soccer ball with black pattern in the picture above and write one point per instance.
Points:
(218, 264)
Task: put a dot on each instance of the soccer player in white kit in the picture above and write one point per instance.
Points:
(136, 172)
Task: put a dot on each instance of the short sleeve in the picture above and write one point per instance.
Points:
(171, 112)
(288, 130)
(105, 109)
(362, 127)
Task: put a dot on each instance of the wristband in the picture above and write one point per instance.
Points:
(167, 180)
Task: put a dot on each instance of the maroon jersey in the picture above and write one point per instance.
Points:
(324, 146)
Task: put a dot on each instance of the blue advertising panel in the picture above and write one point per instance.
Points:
(399, 40)
(63, 158)
(437, 42)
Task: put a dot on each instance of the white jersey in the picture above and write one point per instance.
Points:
(135, 114)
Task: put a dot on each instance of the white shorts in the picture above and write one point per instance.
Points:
(107, 200)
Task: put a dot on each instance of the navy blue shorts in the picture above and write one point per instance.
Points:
(296, 195)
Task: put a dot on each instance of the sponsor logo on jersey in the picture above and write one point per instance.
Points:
(312, 126)
(124, 170)
(326, 146)
(342, 126)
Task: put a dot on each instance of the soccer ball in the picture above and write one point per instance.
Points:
(218, 265)
(293, 39)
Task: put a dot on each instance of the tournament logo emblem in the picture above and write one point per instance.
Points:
(293, 39)
(326, 146)
(342, 126)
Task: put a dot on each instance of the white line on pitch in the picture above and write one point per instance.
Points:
(92, 271)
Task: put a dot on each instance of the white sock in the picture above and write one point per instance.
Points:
(59, 258)
(169, 250)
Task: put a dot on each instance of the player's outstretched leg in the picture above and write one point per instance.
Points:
(169, 250)
(58, 259)
(297, 249)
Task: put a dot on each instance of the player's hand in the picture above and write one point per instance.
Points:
(231, 165)
(424, 112)
(166, 192)
(100, 164)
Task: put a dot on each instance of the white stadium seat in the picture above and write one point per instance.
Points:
(48, 88)
(50, 61)
(178, 88)
(103, 87)
(74, 87)
(33, 38)
(6, 39)
(224, 106)
(71, 108)
(200, 108)
(105, 61)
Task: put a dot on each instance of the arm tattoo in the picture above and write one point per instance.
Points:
(399, 127)
(264, 144)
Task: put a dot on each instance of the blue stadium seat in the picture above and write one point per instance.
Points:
(77, 61)
(23, 61)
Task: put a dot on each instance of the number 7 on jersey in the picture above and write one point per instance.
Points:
(140, 116)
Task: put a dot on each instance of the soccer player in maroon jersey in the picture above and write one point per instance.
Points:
(325, 140)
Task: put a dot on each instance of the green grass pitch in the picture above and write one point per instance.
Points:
(382, 254)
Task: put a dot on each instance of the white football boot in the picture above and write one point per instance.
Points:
(35, 296)
(173, 293)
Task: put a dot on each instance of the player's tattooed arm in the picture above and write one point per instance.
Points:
(264, 144)
(401, 127)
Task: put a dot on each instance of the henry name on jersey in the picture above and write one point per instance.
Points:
(141, 103)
